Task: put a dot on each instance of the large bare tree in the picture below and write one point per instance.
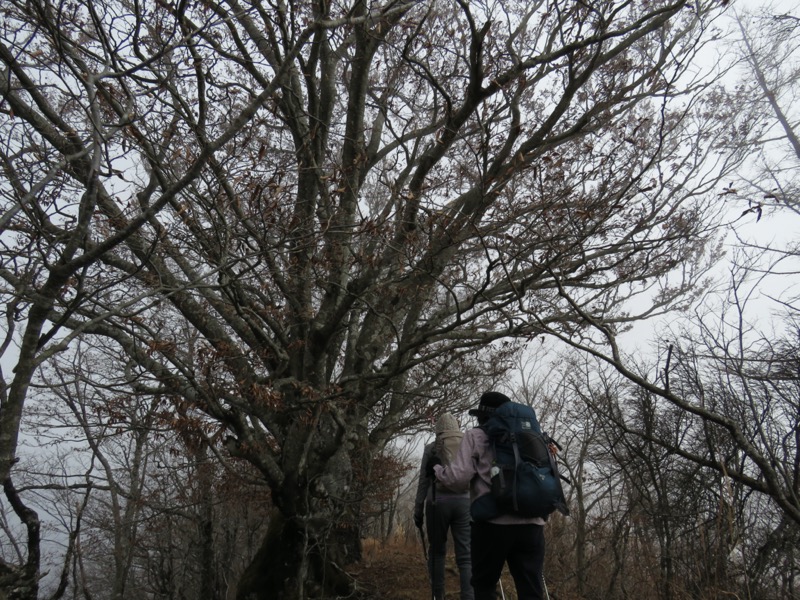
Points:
(315, 223)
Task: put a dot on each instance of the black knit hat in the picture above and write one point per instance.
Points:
(489, 401)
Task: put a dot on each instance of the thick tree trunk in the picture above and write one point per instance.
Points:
(296, 563)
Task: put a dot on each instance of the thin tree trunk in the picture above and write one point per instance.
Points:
(22, 583)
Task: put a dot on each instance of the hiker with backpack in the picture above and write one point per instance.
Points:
(508, 465)
(444, 509)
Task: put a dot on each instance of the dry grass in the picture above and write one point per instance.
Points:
(395, 570)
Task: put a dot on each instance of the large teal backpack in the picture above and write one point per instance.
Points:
(525, 477)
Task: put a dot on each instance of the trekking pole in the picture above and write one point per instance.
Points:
(502, 591)
(544, 585)
(433, 540)
(424, 545)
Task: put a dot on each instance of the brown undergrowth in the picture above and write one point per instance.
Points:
(395, 570)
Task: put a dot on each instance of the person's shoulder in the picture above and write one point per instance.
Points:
(476, 434)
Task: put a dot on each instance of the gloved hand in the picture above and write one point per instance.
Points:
(429, 472)
(418, 520)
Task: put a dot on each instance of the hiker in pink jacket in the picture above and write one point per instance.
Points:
(518, 541)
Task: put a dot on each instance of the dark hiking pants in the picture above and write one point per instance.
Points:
(449, 513)
(521, 546)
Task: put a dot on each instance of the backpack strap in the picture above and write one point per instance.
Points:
(517, 461)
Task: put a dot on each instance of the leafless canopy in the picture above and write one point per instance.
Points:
(305, 220)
